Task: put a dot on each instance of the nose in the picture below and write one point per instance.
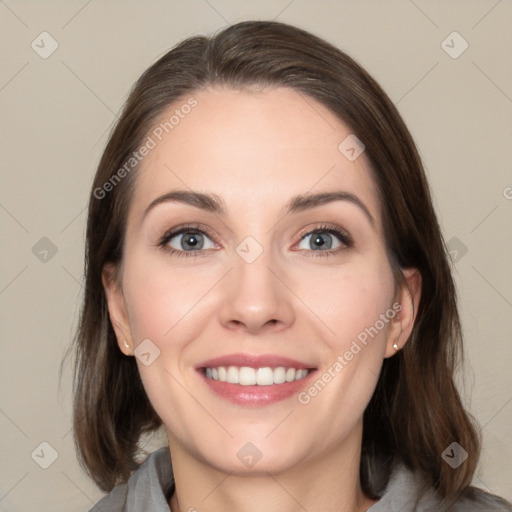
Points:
(256, 298)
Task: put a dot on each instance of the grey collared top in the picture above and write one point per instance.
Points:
(152, 485)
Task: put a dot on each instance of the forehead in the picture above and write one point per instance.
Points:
(254, 149)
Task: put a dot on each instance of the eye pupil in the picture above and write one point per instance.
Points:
(321, 241)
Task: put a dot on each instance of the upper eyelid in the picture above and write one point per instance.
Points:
(324, 226)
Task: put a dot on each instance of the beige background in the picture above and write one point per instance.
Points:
(56, 113)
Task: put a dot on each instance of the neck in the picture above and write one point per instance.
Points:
(328, 483)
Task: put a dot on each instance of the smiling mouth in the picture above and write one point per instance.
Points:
(247, 376)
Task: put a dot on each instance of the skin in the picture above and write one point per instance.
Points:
(256, 150)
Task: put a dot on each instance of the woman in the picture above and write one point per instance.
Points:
(266, 278)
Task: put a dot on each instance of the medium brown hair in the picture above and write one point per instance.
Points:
(415, 412)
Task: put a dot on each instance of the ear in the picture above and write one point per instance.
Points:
(117, 308)
(406, 305)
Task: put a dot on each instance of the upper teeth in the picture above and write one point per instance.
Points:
(247, 376)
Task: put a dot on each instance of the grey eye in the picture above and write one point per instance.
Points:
(319, 240)
(190, 241)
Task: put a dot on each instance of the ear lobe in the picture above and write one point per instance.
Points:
(117, 308)
(402, 324)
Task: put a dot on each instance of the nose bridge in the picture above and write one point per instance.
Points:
(254, 276)
(254, 296)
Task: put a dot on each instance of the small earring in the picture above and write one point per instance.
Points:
(395, 344)
(126, 344)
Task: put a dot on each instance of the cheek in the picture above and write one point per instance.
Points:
(161, 299)
(351, 300)
(167, 305)
(355, 302)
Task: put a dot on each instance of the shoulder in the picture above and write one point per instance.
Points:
(408, 492)
(149, 485)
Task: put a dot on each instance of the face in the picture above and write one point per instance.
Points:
(257, 275)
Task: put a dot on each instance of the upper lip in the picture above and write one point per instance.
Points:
(254, 361)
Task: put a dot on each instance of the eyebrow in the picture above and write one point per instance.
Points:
(214, 204)
(306, 201)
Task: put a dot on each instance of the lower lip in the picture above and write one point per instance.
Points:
(256, 396)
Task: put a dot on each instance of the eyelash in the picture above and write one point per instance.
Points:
(343, 237)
